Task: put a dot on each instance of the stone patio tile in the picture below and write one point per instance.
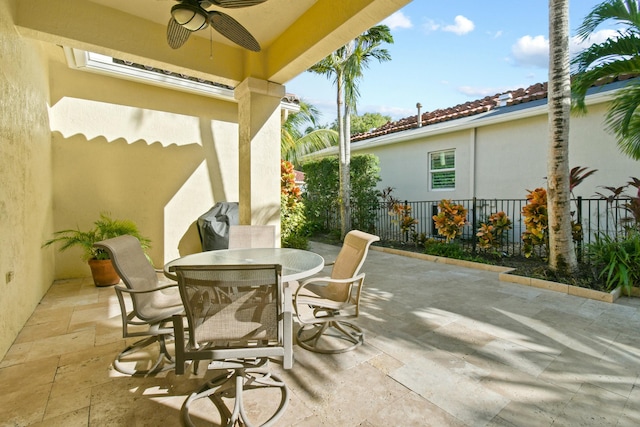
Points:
(413, 410)
(451, 387)
(574, 368)
(591, 406)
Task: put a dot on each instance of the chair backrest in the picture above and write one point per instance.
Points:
(349, 261)
(135, 270)
(233, 306)
(252, 236)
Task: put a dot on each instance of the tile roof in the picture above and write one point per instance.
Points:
(519, 96)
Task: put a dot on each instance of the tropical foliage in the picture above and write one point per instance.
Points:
(365, 122)
(103, 228)
(292, 219)
(491, 233)
(450, 220)
(296, 143)
(615, 57)
(322, 187)
(345, 66)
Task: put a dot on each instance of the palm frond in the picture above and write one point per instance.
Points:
(621, 11)
(623, 119)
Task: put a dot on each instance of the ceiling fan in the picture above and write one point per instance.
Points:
(192, 15)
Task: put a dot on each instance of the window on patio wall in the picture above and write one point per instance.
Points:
(442, 170)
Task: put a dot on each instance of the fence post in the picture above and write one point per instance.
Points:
(579, 213)
(474, 226)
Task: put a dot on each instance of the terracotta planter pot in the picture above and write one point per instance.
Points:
(103, 272)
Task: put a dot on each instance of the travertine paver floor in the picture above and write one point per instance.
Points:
(445, 346)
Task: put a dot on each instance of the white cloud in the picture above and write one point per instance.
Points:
(534, 51)
(481, 92)
(430, 25)
(395, 113)
(461, 27)
(397, 20)
(531, 51)
(575, 45)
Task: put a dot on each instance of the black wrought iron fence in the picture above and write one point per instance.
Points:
(595, 216)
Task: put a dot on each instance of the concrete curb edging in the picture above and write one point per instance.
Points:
(505, 276)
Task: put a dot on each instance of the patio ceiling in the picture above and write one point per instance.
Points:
(293, 34)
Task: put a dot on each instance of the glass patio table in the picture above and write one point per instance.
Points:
(296, 263)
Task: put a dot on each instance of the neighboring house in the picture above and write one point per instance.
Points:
(494, 147)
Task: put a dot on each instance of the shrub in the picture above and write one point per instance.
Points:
(491, 234)
(322, 188)
(450, 219)
(292, 219)
(536, 221)
(617, 260)
(449, 250)
(402, 211)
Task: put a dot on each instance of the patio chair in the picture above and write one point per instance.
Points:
(238, 316)
(334, 300)
(153, 303)
(252, 236)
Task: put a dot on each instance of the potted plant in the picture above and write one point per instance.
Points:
(105, 227)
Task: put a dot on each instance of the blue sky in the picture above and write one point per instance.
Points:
(450, 52)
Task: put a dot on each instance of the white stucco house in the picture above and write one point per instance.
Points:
(494, 147)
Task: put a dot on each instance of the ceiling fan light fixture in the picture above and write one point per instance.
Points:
(193, 18)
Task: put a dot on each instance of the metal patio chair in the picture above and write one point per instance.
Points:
(334, 300)
(238, 316)
(152, 304)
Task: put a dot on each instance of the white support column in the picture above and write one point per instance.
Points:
(259, 130)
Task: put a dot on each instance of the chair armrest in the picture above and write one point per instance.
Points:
(324, 281)
(145, 291)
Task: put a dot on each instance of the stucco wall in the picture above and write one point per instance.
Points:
(25, 177)
(156, 156)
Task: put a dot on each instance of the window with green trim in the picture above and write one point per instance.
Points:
(442, 169)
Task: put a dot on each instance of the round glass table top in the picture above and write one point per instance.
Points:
(296, 263)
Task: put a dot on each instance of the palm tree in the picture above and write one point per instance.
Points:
(615, 57)
(346, 66)
(562, 257)
(294, 144)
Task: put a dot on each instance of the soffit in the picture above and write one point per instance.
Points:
(293, 34)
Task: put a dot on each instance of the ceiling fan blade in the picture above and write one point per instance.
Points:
(233, 30)
(177, 35)
(235, 4)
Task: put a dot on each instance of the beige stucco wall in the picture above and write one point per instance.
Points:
(156, 156)
(25, 177)
(504, 160)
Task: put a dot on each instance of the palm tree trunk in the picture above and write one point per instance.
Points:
(562, 257)
(346, 173)
(343, 199)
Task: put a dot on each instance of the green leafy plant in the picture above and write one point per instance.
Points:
(617, 260)
(292, 219)
(321, 199)
(449, 250)
(491, 233)
(536, 221)
(450, 219)
(630, 205)
(401, 211)
(104, 228)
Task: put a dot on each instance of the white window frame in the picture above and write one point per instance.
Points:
(433, 172)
